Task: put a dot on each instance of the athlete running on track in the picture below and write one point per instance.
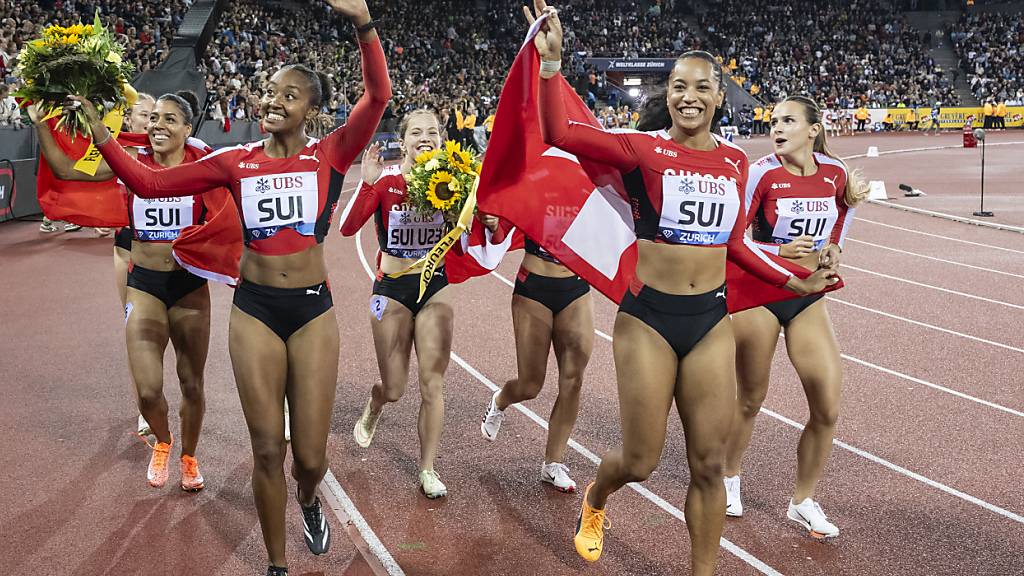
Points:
(398, 321)
(163, 301)
(801, 201)
(551, 308)
(283, 337)
(672, 337)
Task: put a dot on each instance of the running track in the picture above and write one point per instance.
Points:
(924, 478)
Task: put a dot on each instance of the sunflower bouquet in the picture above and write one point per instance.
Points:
(441, 180)
(80, 59)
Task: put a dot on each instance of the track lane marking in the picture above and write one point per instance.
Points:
(930, 286)
(939, 236)
(926, 325)
(943, 260)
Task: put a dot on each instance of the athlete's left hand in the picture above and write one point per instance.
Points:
(490, 222)
(829, 257)
(354, 10)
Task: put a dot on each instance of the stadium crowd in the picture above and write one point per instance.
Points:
(843, 53)
(989, 47)
(145, 28)
(846, 54)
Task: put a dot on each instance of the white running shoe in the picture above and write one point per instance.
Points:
(556, 474)
(809, 515)
(491, 422)
(733, 505)
(432, 485)
(144, 429)
(287, 423)
(366, 426)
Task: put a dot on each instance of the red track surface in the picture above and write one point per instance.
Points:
(76, 502)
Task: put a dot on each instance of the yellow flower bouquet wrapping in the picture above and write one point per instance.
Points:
(441, 180)
(80, 60)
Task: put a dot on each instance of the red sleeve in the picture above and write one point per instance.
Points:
(182, 180)
(609, 148)
(363, 206)
(746, 254)
(344, 144)
(845, 212)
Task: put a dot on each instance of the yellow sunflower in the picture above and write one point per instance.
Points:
(424, 157)
(457, 157)
(443, 191)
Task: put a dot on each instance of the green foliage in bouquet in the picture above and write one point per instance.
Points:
(442, 179)
(80, 60)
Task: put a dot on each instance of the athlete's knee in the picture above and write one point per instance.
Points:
(306, 465)
(570, 384)
(824, 415)
(268, 454)
(150, 397)
(638, 467)
(750, 399)
(707, 467)
(431, 388)
(191, 389)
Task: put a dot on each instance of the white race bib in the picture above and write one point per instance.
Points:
(412, 235)
(698, 210)
(274, 201)
(161, 219)
(812, 217)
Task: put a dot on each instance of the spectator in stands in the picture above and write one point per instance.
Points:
(10, 114)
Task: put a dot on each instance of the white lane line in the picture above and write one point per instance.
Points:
(943, 260)
(955, 218)
(940, 236)
(638, 488)
(925, 325)
(878, 460)
(376, 546)
(926, 149)
(905, 377)
(946, 290)
(909, 473)
(934, 386)
(582, 450)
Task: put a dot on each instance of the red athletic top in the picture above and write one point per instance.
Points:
(163, 219)
(285, 203)
(783, 206)
(401, 231)
(678, 195)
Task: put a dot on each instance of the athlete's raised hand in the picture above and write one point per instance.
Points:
(373, 164)
(549, 38)
(354, 10)
(798, 248)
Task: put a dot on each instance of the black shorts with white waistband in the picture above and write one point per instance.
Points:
(786, 310)
(406, 289)
(168, 287)
(283, 310)
(682, 320)
(554, 293)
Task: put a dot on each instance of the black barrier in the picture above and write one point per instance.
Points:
(18, 179)
(8, 191)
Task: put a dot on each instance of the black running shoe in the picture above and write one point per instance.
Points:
(315, 528)
(276, 571)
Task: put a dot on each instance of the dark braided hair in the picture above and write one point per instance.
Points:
(319, 84)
